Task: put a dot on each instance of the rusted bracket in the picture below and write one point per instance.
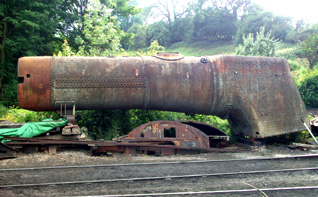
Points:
(172, 56)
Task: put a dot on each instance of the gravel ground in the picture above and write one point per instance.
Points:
(80, 157)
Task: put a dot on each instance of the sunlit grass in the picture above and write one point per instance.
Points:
(203, 48)
(16, 114)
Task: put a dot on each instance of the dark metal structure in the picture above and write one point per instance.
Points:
(7, 152)
(256, 94)
(180, 134)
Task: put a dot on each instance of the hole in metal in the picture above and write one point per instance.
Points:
(21, 80)
(170, 132)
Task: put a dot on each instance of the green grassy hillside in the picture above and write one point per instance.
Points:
(217, 47)
(203, 48)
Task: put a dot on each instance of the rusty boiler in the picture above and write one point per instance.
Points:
(256, 94)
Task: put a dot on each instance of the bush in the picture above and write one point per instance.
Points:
(262, 45)
(308, 87)
(294, 65)
(9, 94)
(105, 124)
(16, 114)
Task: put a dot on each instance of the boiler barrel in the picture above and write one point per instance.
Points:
(257, 94)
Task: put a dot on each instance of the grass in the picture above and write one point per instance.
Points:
(16, 114)
(218, 47)
(203, 48)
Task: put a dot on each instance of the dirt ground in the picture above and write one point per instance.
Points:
(66, 157)
(82, 157)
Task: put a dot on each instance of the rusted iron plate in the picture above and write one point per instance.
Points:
(179, 134)
(256, 94)
(169, 56)
(34, 88)
(260, 96)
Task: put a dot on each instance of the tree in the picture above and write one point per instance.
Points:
(101, 31)
(212, 24)
(158, 31)
(26, 28)
(262, 45)
(255, 18)
(73, 14)
(310, 49)
(215, 19)
(140, 37)
(308, 88)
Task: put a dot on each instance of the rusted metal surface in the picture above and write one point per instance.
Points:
(34, 89)
(98, 147)
(256, 94)
(180, 134)
(172, 56)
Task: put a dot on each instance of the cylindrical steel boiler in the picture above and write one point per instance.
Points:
(257, 94)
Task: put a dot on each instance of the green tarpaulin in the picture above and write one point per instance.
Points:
(32, 129)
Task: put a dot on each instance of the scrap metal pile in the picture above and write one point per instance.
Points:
(158, 137)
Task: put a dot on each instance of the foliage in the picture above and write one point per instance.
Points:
(262, 45)
(256, 17)
(158, 31)
(309, 49)
(101, 31)
(74, 13)
(139, 40)
(298, 33)
(105, 124)
(9, 96)
(154, 48)
(203, 48)
(66, 50)
(294, 65)
(308, 87)
(212, 24)
(16, 114)
(26, 28)
(212, 120)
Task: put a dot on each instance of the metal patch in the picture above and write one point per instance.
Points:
(75, 83)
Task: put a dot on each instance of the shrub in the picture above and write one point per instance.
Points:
(16, 114)
(262, 45)
(308, 87)
(9, 94)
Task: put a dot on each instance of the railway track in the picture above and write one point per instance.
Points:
(162, 163)
(167, 178)
(162, 178)
(242, 191)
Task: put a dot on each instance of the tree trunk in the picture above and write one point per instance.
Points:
(4, 36)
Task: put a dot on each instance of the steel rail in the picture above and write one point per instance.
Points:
(159, 178)
(215, 192)
(160, 163)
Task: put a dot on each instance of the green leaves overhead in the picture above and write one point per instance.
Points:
(101, 30)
